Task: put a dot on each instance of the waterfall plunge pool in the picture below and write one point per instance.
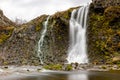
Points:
(62, 75)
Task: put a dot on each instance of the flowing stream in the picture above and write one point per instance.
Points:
(40, 42)
(77, 51)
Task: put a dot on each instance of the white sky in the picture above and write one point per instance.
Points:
(29, 9)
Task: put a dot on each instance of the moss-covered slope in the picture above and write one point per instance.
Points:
(104, 34)
(6, 27)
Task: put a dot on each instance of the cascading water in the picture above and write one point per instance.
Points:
(40, 42)
(77, 51)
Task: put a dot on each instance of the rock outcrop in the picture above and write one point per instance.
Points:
(105, 3)
(57, 38)
(20, 48)
(6, 27)
(4, 21)
(104, 31)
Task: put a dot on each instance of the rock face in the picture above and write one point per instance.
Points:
(4, 21)
(6, 27)
(104, 31)
(57, 38)
(21, 47)
(105, 3)
(18, 44)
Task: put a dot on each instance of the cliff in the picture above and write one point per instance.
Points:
(104, 32)
(19, 44)
(20, 48)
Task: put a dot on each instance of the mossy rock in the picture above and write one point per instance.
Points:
(68, 67)
(112, 12)
(103, 33)
(53, 67)
(5, 33)
(37, 22)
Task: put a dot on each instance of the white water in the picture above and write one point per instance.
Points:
(77, 51)
(40, 43)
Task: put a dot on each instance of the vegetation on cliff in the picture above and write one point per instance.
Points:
(104, 34)
(5, 33)
(6, 27)
(20, 42)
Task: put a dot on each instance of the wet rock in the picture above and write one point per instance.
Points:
(6, 67)
(39, 69)
(28, 70)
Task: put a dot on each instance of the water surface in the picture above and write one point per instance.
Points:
(77, 75)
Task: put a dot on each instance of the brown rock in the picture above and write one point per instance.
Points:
(116, 59)
(1, 13)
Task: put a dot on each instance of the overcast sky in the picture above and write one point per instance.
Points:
(29, 9)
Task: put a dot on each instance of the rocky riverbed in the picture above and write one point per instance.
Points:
(14, 72)
(65, 67)
(10, 72)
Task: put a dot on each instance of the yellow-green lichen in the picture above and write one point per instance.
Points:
(5, 33)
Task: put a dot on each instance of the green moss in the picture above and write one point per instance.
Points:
(104, 67)
(103, 33)
(116, 62)
(69, 67)
(5, 33)
(53, 67)
(112, 12)
(38, 27)
(5, 63)
(67, 14)
(38, 22)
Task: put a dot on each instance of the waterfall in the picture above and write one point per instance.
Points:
(77, 51)
(40, 42)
